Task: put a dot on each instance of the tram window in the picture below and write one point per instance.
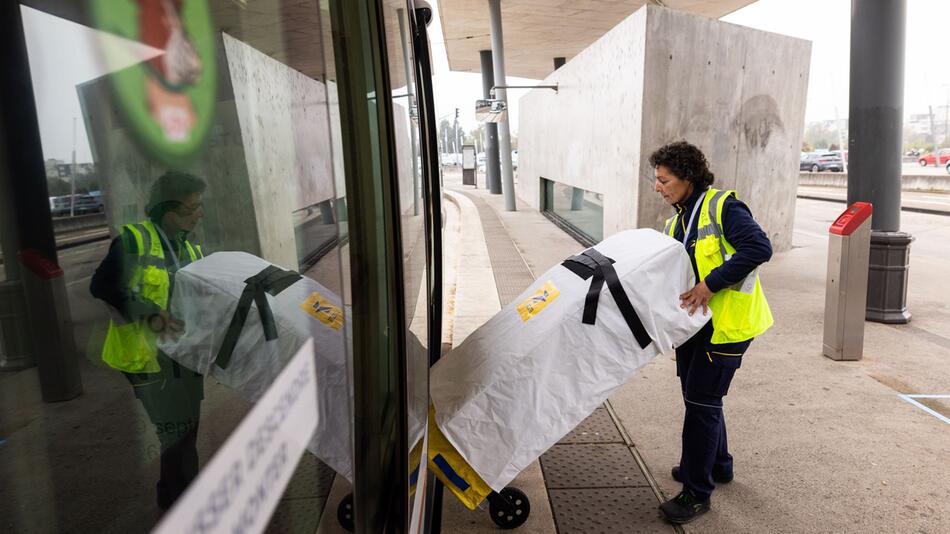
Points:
(206, 135)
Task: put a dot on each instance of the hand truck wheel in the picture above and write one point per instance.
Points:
(510, 508)
(344, 513)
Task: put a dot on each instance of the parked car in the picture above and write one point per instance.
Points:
(821, 161)
(85, 203)
(948, 167)
(930, 159)
(89, 203)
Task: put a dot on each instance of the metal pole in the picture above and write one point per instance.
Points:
(458, 140)
(878, 29)
(946, 115)
(504, 133)
(72, 176)
(492, 163)
(411, 90)
(841, 146)
(933, 134)
(50, 324)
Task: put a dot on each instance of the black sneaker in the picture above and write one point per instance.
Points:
(684, 508)
(718, 478)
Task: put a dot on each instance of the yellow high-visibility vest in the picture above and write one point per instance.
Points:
(740, 312)
(131, 346)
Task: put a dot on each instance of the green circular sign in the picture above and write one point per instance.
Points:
(163, 71)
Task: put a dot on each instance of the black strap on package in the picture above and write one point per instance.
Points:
(592, 263)
(271, 280)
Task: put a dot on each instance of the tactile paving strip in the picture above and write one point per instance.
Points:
(593, 481)
(312, 478)
(607, 511)
(597, 465)
(597, 428)
(295, 516)
(512, 276)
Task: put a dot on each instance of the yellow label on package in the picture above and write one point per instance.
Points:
(537, 302)
(321, 309)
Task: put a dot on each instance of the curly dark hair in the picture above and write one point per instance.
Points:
(170, 190)
(686, 162)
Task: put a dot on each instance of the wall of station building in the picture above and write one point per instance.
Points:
(269, 157)
(662, 76)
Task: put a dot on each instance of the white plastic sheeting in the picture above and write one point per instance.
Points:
(206, 294)
(529, 375)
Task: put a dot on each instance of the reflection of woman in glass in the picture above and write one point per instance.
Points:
(160, 26)
(136, 279)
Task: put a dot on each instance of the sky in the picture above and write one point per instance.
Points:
(826, 23)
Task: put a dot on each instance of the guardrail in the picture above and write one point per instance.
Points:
(79, 222)
(909, 182)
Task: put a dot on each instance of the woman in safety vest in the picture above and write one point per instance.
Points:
(726, 246)
(136, 279)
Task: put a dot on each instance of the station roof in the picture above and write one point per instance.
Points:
(537, 31)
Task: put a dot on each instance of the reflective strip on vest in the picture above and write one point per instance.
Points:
(131, 347)
(740, 312)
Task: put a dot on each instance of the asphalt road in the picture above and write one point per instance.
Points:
(910, 200)
(929, 170)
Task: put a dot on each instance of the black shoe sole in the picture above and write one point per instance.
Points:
(683, 521)
(675, 473)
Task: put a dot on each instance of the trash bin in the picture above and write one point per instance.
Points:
(15, 350)
(846, 289)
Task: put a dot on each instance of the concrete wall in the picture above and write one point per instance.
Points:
(268, 154)
(587, 134)
(662, 76)
(285, 129)
(127, 173)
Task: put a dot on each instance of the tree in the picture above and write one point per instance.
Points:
(448, 136)
(58, 187)
(806, 147)
(820, 136)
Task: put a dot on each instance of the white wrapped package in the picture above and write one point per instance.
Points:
(206, 295)
(528, 376)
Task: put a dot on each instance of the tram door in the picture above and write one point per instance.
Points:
(229, 211)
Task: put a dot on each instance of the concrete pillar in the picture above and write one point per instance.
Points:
(874, 148)
(504, 134)
(559, 62)
(492, 164)
(577, 199)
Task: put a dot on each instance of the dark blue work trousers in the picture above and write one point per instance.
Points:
(705, 372)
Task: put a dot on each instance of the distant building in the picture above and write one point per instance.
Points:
(919, 123)
(64, 170)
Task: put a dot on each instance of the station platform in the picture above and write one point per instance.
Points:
(819, 445)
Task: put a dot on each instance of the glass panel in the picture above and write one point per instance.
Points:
(583, 210)
(408, 163)
(189, 146)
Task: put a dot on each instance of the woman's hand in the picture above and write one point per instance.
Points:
(165, 325)
(696, 297)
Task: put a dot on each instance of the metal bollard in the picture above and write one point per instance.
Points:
(846, 290)
(48, 309)
(16, 351)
